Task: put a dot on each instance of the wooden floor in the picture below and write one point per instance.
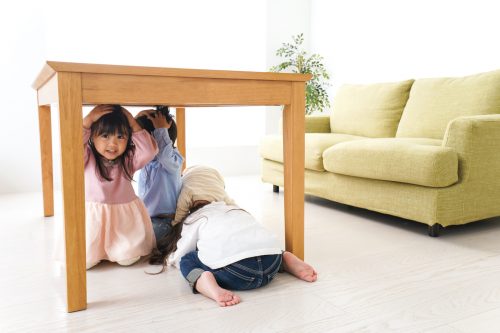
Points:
(376, 274)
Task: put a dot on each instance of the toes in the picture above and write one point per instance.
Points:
(310, 275)
(229, 299)
(313, 277)
(234, 301)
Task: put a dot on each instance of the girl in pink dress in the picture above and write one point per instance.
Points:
(118, 226)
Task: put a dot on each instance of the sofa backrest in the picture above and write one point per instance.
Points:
(371, 110)
(433, 103)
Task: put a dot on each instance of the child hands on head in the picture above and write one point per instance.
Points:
(160, 180)
(155, 118)
(118, 227)
(111, 138)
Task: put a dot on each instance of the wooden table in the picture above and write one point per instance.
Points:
(73, 85)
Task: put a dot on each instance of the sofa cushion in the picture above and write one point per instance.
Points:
(371, 110)
(433, 103)
(418, 161)
(271, 147)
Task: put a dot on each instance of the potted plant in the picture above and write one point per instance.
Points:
(297, 61)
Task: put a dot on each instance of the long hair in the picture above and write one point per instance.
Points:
(168, 243)
(112, 123)
(147, 124)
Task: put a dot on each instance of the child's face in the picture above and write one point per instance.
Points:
(110, 146)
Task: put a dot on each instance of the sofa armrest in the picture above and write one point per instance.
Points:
(476, 139)
(318, 124)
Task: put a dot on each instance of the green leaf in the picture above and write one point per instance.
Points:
(296, 60)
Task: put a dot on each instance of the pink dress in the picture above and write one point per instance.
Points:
(118, 226)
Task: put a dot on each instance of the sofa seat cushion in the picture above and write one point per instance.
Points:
(271, 147)
(371, 110)
(419, 161)
(433, 103)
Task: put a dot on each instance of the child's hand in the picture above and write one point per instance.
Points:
(158, 119)
(131, 121)
(95, 114)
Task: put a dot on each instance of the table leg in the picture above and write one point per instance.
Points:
(46, 159)
(293, 153)
(73, 190)
(180, 117)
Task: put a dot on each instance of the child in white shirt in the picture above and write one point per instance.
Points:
(220, 247)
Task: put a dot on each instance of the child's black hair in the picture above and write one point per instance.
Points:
(147, 124)
(115, 122)
(168, 243)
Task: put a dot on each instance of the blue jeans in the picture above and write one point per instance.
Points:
(161, 226)
(246, 274)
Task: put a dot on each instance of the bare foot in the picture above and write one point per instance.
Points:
(207, 285)
(298, 268)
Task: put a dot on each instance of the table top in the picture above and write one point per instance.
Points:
(51, 67)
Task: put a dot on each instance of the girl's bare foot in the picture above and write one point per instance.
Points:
(207, 285)
(298, 268)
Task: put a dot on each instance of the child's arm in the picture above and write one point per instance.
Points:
(187, 242)
(145, 146)
(95, 114)
(131, 121)
(145, 149)
(168, 157)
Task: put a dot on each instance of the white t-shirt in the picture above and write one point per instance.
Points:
(224, 234)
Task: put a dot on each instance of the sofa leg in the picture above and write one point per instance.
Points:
(434, 230)
(276, 189)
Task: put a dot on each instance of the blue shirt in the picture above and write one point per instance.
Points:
(160, 180)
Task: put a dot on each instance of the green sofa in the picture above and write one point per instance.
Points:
(427, 150)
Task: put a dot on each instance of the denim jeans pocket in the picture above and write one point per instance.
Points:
(238, 280)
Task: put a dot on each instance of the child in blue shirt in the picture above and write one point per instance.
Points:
(160, 180)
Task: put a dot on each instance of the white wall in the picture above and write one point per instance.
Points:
(22, 47)
(285, 18)
(388, 40)
(361, 40)
(217, 34)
